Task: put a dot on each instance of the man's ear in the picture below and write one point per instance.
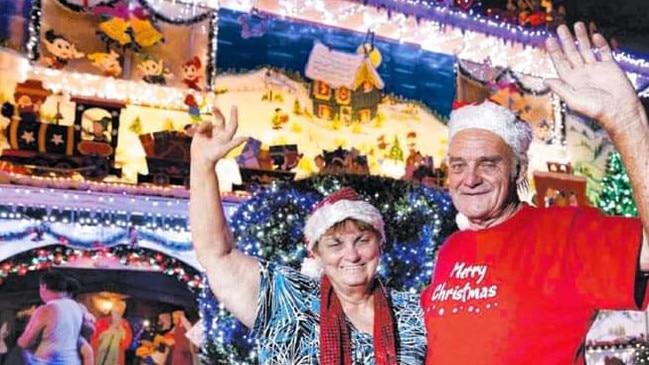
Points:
(521, 173)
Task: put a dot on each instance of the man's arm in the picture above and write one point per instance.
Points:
(34, 327)
(233, 276)
(593, 84)
(89, 323)
(86, 351)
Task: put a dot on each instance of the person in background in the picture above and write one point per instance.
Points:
(518, 284)
(181, 353)
(113, 335)
(87, 329)
(342, 313)
(53, 334)
(4, 333)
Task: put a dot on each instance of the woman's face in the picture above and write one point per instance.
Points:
(349, 255)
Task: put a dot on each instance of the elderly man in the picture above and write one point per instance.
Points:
(522, 285)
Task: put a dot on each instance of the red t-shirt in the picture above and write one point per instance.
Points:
(526, 291)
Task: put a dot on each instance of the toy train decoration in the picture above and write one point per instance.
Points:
(259, 167)
(167, 158)
(49, 148)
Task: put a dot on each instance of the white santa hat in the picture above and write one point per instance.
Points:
(496, 119)
(337, 207)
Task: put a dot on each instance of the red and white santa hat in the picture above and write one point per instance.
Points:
(338, 206)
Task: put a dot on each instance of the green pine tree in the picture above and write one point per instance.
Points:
(616, 197)
(136, 126)
(396, 153)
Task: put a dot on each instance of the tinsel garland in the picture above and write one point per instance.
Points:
(269, 226)
(213, 40)
(78, 8)
(54, 255)
(158, 15)
(145, 4)
(441, 13)
(34, 31)
(502, 74)
(40, 231)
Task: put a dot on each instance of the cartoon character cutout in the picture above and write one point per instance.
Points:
(62, 50)
(192, 74)
(154, 71)
(127, 27)
(193, 108)
(29, 96)
(279, 118)
(155, 346)
(107, 63)
(99, 130)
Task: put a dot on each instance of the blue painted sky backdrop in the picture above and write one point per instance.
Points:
(407, 70)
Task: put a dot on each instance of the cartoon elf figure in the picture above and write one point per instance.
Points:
(108, 63)
(62, 50)
(154, 71)
(192, 73)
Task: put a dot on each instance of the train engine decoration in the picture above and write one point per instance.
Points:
(87, 148)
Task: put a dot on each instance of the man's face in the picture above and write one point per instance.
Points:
(480, 174)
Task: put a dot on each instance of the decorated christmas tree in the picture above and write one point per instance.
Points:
(616, 197)
(269, 226)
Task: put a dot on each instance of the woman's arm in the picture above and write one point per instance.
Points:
(233, 276)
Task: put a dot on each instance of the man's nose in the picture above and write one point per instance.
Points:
(472, 177)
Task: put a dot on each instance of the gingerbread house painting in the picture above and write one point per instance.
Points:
(345, 86)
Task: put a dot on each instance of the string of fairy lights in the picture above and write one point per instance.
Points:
(425, 23)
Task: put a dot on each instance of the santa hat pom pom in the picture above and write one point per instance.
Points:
(311, 268)
(462, 222)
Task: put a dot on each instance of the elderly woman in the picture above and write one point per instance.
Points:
(346, 317)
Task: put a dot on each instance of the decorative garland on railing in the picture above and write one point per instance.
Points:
(59, 255)
(40, 231)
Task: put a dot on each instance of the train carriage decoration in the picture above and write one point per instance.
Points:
(49, 148)
(259, 166)
(167, 158)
